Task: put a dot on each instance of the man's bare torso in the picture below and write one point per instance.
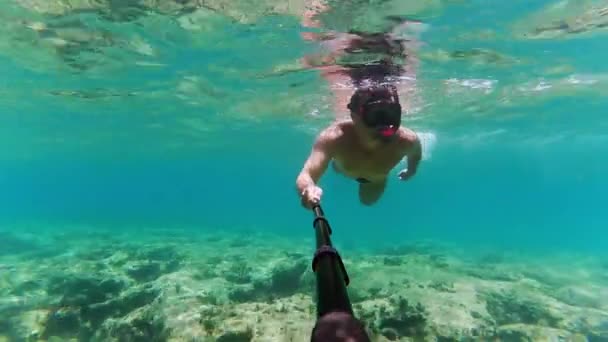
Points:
(354, 160)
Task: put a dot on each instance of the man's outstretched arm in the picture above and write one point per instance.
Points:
(317, 161)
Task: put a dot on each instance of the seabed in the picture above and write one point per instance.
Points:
(86, 284)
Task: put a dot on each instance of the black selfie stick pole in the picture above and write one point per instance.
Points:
(332, 278)
(335, 319)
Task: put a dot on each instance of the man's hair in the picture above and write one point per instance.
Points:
(375, 92)
(339, 327)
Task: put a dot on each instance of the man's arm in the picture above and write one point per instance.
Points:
(317, 161)
(414, 156)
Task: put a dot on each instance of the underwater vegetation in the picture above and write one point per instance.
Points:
(168, 287)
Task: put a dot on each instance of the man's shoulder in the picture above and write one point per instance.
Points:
(335, 132)
(408, 137)
(408, 134)
(332, 137)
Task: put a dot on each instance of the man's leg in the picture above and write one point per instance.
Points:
(369, 193)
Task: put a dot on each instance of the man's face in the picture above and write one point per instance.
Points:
(381, 119)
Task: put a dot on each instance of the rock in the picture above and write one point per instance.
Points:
(390, 334)
(239, 273)
(236, 336)
(579, 296)
(79, 290)
(357, 294)
(140, 305)
(132, 299)
(403, 320)
(508, 308)
(63, 322)
(118, 259)
(510, 334)
(95, 254)
(26, 286)
(491, 273)
(392, 261)
(594, 337)
(13, 244)
(144, 271)
(286, 279)
(246, 294)
(165, 253)
(442, 286)
(143, 327)
(526, 332)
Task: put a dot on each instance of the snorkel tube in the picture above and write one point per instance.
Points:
(335, 317)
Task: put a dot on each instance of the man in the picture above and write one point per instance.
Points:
(366, 147)
(366, 71)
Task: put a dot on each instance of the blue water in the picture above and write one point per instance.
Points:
(527, 174)
(537, 198)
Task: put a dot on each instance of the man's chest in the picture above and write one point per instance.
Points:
(370, 163)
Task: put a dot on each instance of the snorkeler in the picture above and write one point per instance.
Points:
(366, 71)
(366, 147)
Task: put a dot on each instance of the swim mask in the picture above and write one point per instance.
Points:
(382, 115)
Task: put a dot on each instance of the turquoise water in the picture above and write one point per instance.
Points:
(514, 167)
(153, 123)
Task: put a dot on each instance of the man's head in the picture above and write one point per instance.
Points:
(376, 108)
